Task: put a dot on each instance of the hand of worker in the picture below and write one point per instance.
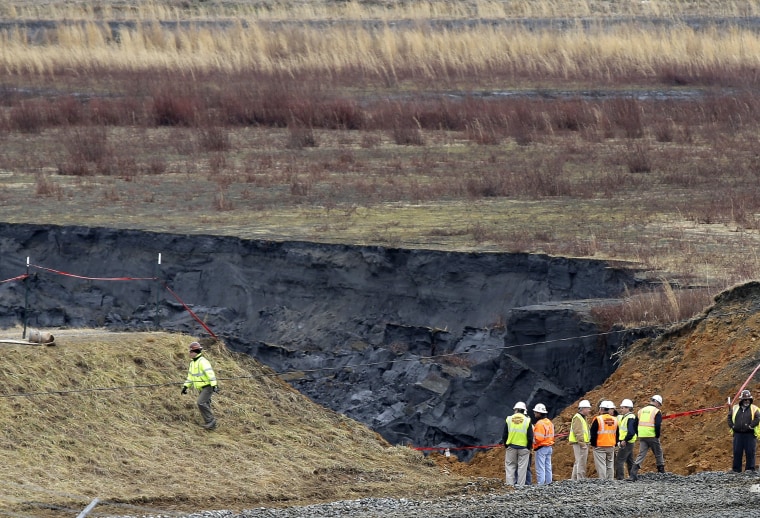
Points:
(184, 390)
(216, 390)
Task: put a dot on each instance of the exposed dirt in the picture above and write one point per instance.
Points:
(695, 366)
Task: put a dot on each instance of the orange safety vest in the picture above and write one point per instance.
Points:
(543, 433)
(607, 433)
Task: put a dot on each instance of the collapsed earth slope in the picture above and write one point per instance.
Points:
(694, 366)
(100, 415)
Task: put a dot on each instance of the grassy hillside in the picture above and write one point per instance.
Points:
(100, 415)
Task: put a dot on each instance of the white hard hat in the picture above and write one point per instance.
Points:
(657, 398)
(584, 404)
(627, 403)
(520, 406)
(607, 404)
(540, 408)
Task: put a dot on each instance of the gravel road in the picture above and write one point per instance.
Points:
(703, 495)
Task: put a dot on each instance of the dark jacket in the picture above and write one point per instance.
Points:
(745, 422)
(633, 424)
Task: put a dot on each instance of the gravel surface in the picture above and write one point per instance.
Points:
(704, 495)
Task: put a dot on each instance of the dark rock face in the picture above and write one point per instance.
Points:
(426, 347)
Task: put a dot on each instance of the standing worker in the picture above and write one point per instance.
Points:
(648, 430)
(543, 443)
(518, 441)
(200, 376)
(744, 421)
(603, 435)
(579, 437)
(627, 425)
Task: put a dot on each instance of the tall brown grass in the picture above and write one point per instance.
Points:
(392, 55)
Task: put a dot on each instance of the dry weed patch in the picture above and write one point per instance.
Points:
(101, 415)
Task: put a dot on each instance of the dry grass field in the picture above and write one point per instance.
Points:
(495, 126)
(100, 415)
(586, 128)
(616, 130)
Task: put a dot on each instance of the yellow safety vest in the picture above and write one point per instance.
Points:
(623, 427)
(646, 421)
(754, 411)
(518, 429)
(586, 433)
(200, 373)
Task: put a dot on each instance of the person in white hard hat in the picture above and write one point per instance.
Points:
(518, 441)
(543, 444)
(744, 422)
(648, 430)
(627, 424)
(603, 435)
(579, 437)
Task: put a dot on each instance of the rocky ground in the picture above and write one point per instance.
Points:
(703, 495)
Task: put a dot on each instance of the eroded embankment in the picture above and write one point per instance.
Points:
(424, 346)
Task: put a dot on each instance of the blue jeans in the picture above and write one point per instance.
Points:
(544, 465)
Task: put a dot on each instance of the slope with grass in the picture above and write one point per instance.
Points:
(694, 366)
(100, 415)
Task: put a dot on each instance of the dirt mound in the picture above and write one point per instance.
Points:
(694, 366)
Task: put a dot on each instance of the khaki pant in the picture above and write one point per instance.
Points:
(581, 459)
(204, 404)
(604, 460)
(516, 459)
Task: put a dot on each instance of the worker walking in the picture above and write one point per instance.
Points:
(543, 444)
(201, 376)
(579, 437)
(518, 441)
(648, 430)
(603, 436)
(627, 425)
(744, 422)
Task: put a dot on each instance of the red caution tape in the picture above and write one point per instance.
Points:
(19, 278)
(745, 383)
(191, 312)
(693, 412)
(208, 330)
(94, 278)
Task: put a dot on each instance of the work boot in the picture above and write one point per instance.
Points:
(211, 425)
(661, 469)
(633, 476)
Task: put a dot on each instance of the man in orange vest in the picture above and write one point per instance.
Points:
(744, 421)
(603, 438)
(543, 442)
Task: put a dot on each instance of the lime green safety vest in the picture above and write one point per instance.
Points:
(586, 434)
(646, 421)
(754, 411)
(200, 373)
(623, 426)
(518, 429)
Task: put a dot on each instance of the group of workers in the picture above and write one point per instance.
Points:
(611, 435)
